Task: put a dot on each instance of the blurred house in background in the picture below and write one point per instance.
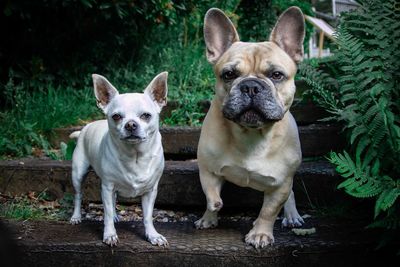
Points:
(324, 24)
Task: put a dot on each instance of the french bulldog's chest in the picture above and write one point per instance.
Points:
(257, 173)
(259, 176)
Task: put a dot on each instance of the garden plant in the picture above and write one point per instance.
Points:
(359, 87)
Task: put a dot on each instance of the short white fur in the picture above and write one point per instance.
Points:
(126, 154)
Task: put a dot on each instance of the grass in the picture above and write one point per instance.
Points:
(20, 211)
(34, 114)
(34, 206)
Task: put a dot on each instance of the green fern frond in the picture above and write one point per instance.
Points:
(365, 98)
(390, 221)
(386, 199)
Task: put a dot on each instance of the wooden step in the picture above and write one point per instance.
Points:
(315, 182)
(180, 142)
(44, 243)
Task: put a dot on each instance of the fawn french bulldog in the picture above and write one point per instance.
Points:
(249, 136)
(124, 150)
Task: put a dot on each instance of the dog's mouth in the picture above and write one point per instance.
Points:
(134, 139)
(253, 118)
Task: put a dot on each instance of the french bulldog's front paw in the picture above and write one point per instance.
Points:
(75, 220)
(260, 239)
(206, 222)
(292, 220)
(158, 240)
(215, 206)
(111, 240)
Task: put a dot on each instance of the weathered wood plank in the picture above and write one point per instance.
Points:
(181, 142)
(315, 182)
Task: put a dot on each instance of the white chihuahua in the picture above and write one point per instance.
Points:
(125, 151)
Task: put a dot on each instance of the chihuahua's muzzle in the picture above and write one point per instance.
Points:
(133, 133)
(252, 103)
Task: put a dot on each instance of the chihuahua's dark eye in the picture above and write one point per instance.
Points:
(116, 117)
(145, 116)
(277, 76)
(229, 75)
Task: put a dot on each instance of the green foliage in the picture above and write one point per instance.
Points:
(36, 207)
(20, 208)
(67, 149)
(36, 113)
(365, 98)
(49, 85)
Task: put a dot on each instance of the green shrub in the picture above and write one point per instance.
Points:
(364, 96)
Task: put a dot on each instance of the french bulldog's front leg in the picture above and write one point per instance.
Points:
(261, 235)
(110, 235)
(211, 185)
(152, 235)
(292, 217)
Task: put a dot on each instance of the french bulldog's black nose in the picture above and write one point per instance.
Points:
(130, 126)
(251, 88)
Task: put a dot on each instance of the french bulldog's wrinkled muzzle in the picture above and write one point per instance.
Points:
(252, 103)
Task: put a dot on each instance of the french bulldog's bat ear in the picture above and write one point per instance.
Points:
(103, 90)
(158, 89)
(288, 33)
(219, 34)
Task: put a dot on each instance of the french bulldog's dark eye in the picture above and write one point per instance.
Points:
(145, 116)
(277, 76)
(116, 117)
(229, 75)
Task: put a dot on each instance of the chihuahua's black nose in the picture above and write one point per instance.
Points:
(251, 88)
(130, 125)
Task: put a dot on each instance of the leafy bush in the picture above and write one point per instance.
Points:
(364, 96)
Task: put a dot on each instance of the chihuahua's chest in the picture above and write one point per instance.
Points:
(135, 178)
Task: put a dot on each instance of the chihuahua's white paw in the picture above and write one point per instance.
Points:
(158, 240)
(259, 239)
(209, 220)
(292, 219)
(116, 218)
(111, 240)
(75, 220)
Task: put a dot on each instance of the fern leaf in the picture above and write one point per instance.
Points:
(386, 199)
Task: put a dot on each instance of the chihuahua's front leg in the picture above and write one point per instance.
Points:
(107, 194)
(152, 235)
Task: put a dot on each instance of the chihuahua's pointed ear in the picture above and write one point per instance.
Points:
(288, 33)
(219, 34)
(103, 90)
(157, 90)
